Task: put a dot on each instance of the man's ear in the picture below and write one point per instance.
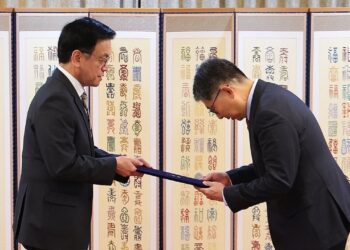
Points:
(76, 57)
(229, 89)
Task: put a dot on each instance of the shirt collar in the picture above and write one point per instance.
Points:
(250, 98)
(76, 84)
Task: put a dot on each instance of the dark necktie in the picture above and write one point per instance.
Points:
(84, 98)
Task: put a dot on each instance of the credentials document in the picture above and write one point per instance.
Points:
(171, 176)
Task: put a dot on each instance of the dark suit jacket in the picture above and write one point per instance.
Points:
(307, 195)
(59, 167)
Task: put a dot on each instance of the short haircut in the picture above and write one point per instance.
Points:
(81, 34)
(210, 74)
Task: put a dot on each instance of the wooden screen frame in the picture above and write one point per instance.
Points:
(193, 20)
(7, 129)
(264, 20)
(133, 20)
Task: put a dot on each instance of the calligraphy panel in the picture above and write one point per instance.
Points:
(5, 133)
(330, 83)
(125, 122)
(268, 52)
(196, 142)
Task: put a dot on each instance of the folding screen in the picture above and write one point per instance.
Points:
(37, 37)
(330, 82)
(195, 142)
(125, 121)
(271, 47)
(6, 173)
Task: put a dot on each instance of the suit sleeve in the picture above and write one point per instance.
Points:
(99, 153)
(55, 126)
(242, 174)
(279, 145)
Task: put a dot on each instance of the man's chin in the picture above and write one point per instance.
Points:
(97, 82)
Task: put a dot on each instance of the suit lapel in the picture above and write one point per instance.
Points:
(259, 89)
(78, 102)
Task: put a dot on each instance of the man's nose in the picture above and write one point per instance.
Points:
(104, 68)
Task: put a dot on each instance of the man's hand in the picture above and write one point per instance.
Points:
(221, 177)
(214, 191)
(127, 166)
(216, 182)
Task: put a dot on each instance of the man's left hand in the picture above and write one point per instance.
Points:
(214, 191)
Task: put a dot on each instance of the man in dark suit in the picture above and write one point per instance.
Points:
(60, 163)
(293, 171)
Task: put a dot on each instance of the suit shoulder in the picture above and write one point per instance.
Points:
(52, 96)
(53, 87)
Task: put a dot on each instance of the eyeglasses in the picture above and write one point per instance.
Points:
(212, 108)
(102, 60)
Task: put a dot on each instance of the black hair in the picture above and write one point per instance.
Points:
(81, 34)
(210, 74)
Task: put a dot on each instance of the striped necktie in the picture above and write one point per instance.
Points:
(84, 98)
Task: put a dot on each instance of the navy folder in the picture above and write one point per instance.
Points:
(171, 176)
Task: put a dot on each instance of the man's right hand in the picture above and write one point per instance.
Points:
(127, 166)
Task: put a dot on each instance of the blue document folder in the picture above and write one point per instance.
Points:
(171, 176)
